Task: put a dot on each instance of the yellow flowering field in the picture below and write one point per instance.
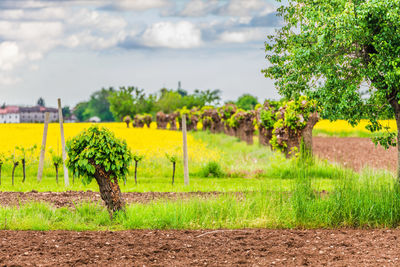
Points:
(152, 143)
(341, 126)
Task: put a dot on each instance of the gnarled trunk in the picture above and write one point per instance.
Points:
(307, 132)
(394, 102)
(110, 191)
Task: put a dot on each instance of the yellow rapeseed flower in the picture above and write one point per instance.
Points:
(151, 143)
(343, 126)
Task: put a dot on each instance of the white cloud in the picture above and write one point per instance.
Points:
(172, 35)
(139, 5)
(6, 79)
(10, 55)
(197, 8)
(242, 7)
(242, 36)
(30, 30)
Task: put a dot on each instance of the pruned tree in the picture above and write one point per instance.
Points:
(226, 112)
(266, 118)
(294, 124)
(137, 158)
(173, 159)
(26, 154)
(57, 160)
(346, 55)
(97, 153)
(162, 120)
(206, 118)
(127, 119)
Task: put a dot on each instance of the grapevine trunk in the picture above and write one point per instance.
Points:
(110, 191)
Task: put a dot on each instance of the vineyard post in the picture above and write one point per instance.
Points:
(64, 155)
(43, 147)
(185, 151)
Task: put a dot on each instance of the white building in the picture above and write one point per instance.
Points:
(14, 114)
(10, 115)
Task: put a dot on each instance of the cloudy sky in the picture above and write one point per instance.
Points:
(70, 48)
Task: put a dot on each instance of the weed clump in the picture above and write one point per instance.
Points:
(212, 169)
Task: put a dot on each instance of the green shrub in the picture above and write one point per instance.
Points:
(212, 169)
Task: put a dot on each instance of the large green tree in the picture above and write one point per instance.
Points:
(345, 54)
(247, 102)
(129, 101)
(99, 104)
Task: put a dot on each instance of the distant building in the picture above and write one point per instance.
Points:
(14, 114)
(94, 119)
(9, 114)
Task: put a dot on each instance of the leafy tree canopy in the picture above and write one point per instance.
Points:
(247, 102)
(345, 54)
(41, 102)
(98, 146)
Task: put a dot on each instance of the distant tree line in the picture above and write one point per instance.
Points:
(114, 104)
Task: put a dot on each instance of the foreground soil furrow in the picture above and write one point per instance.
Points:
(258, 247)
(71, 198)
(355, 153)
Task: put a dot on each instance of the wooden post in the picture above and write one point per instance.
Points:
(185, 151)
(43, 147)
(64, 155)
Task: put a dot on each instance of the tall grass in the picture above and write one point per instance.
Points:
(357, 202)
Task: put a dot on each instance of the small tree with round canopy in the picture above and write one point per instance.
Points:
(97, 153)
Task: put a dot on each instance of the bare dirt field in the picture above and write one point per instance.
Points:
(253, 247)
(71, 198)
(355, 153)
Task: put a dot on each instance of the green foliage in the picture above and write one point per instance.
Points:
(292, 117)
(80, 111)
(170, 100)
(27, 154)
(137, 157)
(129, 101)
(98, 105)
(247, 102)
(212, 169)
(226, 111)
(97, 146)
(210, 97)
(345, 54)
(234, 120)
(56, 158)
(268, 113)
(172, 157)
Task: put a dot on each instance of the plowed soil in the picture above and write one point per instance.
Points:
(72, 198)
(201, 248)
(355, 153)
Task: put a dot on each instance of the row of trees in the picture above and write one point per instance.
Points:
(114, 104)
(281, 124)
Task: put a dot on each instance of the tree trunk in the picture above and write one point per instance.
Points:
(13, 171)
(173, 172)
(23, 170)
(307, 132)
(110, 191)
(136, 171)
(56, 166)
(394, 102)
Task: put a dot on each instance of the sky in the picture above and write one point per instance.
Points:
(70, 48)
